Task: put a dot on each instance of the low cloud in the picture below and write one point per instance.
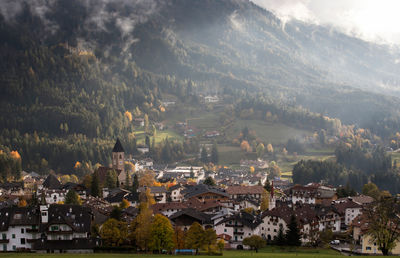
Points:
(371, 20)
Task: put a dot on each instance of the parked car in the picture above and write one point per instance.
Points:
(335, 242)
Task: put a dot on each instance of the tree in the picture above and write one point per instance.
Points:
(383, 223)
(210, 238)
(270, 149)
(209, 181)
(268, 186)
(280, 238)
(166, 152)
(135, 187)
(146, 179)
(147, 197)
(221, 245)
(111, 179)
(293, 233)
(116, 213)
(146, 123)
(214, 154)
(191, 172)
(255, 242)
(22, 203)
(325, 236)
(260, 150)
(195, 237)
(372, 190)
(114, 232)
(161, 233)
(124, 204)
(72, 198)
(142, 228)
(322, 136)
(264, 201)
(128, 115)
(179, 238)
(127, 180)
(274, 170)
(95, 188)
(245, 146)
(204, 155)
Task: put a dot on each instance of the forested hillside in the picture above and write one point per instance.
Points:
(75, 73)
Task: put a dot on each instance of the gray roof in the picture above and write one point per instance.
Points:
(192, 191)
(52, 182)
(245, 218)
(202, 217)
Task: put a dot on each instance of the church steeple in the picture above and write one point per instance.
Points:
(118, 158)
(118, 147)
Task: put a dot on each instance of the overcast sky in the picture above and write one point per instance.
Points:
(372, 20)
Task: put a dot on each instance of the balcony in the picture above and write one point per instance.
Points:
(233, 226)
(4, 241)
(238, 233)
(30, 240)
(31, 230)
(60, 232)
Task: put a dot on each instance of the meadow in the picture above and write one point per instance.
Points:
(267, 252)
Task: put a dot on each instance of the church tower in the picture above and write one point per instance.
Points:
(118, 158)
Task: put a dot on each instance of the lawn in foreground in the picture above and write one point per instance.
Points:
(261, 254)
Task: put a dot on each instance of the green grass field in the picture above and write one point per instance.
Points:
(160, 135)
(274, 133)
(262, 253)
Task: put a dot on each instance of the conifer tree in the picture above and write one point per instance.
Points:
(204, 155)
(214, 154)
(72, 198)
(293, 233)
(95, 188)
(280, 238)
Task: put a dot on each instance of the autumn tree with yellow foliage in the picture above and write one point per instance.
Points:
(140, 227)
(161, 234)
(245, 146)
(264, 201)
(128, 115)
(10, 165)
(114, 232)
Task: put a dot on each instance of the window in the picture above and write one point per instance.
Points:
(22, 230)
(225, 230)
(368, 248)
(14, 247)
(13, 235)
(4, 236)
(22, 241)
(54, 228)
(4, 247)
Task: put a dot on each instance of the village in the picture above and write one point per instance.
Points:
(37, 214)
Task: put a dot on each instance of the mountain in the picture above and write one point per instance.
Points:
(71, 69)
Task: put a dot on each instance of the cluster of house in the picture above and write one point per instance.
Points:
(233, 209)
(47, 227)
(230, 211)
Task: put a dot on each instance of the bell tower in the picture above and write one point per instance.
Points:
(118, 157)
